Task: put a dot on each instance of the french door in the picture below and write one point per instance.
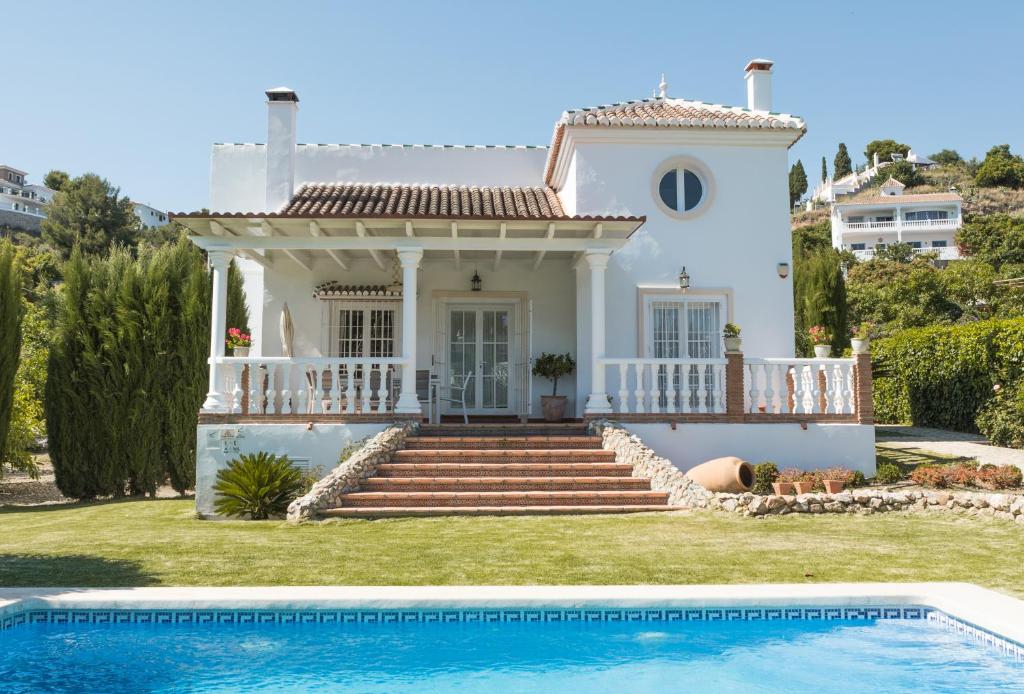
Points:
(480, 342)
(685, 329)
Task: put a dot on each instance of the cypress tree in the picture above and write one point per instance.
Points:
(11, 312)
(824, 170)
(842, 165)
(797, 182)
(237, 312)
(820, 297)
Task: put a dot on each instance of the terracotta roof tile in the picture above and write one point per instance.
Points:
(900, 199)
(668, 113)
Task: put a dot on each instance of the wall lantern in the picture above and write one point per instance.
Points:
(684, 279)
(783, 270)
(476, 282)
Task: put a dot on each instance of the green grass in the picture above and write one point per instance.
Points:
(131, 543)
(910, 457)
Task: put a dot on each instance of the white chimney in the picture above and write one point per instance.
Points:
(759, 84)
(282, 108)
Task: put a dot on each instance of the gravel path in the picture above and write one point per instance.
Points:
(950, 443)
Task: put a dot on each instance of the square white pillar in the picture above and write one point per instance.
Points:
(597, 402)
(220, 260)
(408, 402)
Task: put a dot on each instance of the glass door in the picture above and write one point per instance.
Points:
(480, 343)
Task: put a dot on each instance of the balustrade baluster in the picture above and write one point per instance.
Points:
(769, 392)
(350, 386)
(754, 392)
(366, 387)
(847, 380)
(270, 393)
(286, 390)
(382, 389)
(624, 388)
(640, 391)
(813, 372)
(236, 392)
(302, 391)
(702, 391)
(335, 394)
(318, 388)
(799, 406)
(255, 379)
(670, 387)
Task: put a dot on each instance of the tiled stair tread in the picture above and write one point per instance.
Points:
(517, 453)
(504, 498)
(399, 511)
(498, 431)
(500, 442)
(468, 469)
(520, 483)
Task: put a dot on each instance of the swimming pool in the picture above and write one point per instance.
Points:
(386, 647)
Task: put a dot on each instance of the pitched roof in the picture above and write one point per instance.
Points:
(893, 183)
(411, 201)
(669, 113)
(901, 199)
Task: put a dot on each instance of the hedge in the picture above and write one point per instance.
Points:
(942, 376)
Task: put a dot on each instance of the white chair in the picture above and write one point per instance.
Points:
(456, 395)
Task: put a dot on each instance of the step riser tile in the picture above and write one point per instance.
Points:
(471, 470)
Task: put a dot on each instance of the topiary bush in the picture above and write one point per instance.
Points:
(943, 376)
(888, 473)
(258, 485)
(764, 474)
(1001, 419)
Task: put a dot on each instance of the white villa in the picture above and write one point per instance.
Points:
(928, 222)
(373, 271)
(22, 204)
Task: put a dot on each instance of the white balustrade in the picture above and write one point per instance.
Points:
(310, 385)
(799, 386)
(666, 386)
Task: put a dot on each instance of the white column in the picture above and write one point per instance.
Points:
(597, 402)
(219, 261)
(408, 403)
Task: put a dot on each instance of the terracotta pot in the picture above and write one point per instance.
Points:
(783, 488)
(553, 406)
(860, 346)
(834, 486)
(729, 474)
(822, 351)
(803, 487)
(240, 351)
(732, 344)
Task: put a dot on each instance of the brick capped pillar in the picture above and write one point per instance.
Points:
(863, 399)
(734, 386)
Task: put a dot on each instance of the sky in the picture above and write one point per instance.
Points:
(138, 91)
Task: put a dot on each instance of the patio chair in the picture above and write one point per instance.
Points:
(456, 395)
(426, 383)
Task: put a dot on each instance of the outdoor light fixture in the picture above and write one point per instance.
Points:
(476, 282)
(684, 279)
(783, 270)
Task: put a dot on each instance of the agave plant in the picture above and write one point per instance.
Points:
(258, 485)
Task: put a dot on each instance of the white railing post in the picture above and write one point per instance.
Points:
(597, 402)
(219, 261)
(408, 402)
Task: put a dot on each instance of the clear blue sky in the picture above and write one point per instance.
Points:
(137, 91)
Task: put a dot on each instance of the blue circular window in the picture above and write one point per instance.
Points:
(681, 189)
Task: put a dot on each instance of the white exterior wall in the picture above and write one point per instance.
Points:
(735, 244)
(218, 444)
(787, 445)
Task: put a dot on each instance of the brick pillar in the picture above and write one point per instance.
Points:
(734, 386)
(862, 396)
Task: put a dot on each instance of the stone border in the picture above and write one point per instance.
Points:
(346, 477)
(685, 493)
(665, 477)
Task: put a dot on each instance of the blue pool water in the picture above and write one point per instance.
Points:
(827, 655)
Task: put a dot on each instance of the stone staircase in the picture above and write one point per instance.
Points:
(503, 469)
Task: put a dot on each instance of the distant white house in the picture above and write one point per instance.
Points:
(928, 222)
(149, 216)
(645, 226)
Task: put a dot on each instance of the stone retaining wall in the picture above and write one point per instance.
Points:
(346, 477)
(685, 493)
(664, 476)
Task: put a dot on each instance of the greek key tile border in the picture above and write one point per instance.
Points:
(471, 616)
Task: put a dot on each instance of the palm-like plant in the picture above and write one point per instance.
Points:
(257, 485)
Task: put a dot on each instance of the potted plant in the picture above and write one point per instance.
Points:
(860, 338)
(805, 483)
(553, 367)
(731, 335)
(821, 340)
(835, 479)
(238, 342)
(785, 484)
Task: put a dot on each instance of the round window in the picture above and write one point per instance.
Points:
(681, 189)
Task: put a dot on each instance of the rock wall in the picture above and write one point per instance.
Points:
(346, 477)
(664, 476)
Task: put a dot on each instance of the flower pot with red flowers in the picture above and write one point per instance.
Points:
(835, 479)
(833, 486)
(821, 340)
(786, 483)
(783, 488)
(238, 342)
(804, 485)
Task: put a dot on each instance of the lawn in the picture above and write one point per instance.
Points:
(135, 543)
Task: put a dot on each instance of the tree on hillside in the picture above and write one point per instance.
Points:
(904, 172)
(996, 239)
(797, 182)
(896, 253)
(885, 149)
(1001, 168)
(947, 157)
(11, 312)
(824, 170)
(842, 166)
(90, 213)
(895, 296)
(56, 179)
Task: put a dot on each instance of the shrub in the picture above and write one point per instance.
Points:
(1001, 419)
(942, 376)
(764, 474)
(999, 477)
(888, 473)
(731, 330)
(259, 485)
(792, 474)
(553, 367)
(929, 476)
(11, 312)
(1001, 168)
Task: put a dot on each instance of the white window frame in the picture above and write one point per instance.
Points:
(331, 325)
(651, 300)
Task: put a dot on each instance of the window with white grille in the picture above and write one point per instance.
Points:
(684, 328)
(361, 328)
